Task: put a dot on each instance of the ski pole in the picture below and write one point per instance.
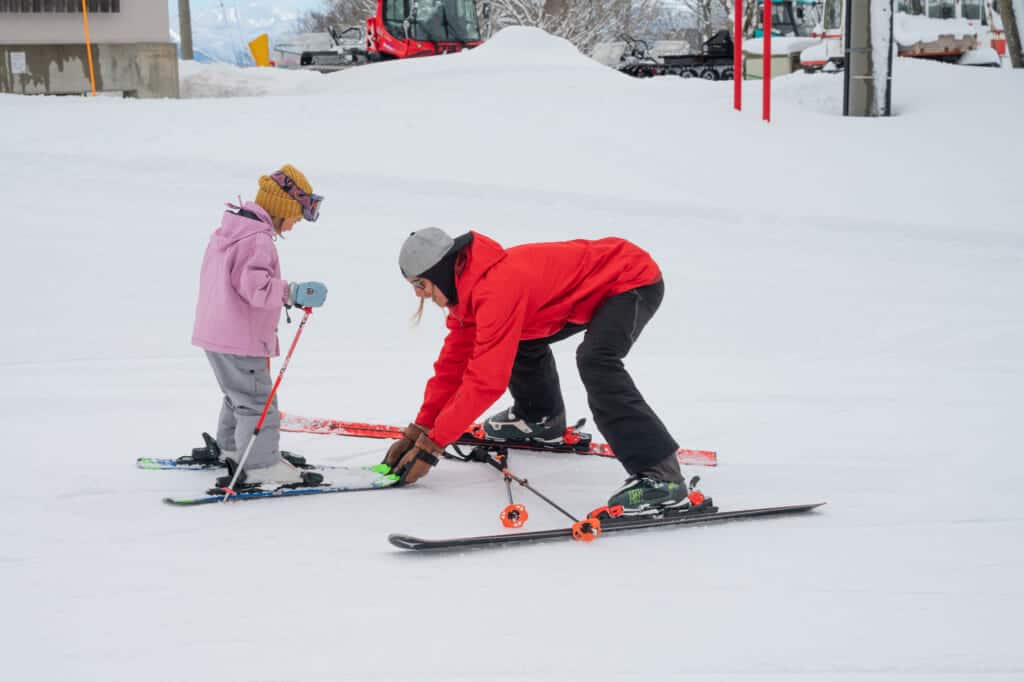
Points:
(229, 491)
(582, 529)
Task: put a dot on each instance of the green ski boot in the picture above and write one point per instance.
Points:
(641, 496)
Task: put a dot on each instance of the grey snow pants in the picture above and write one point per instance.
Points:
(245, 382)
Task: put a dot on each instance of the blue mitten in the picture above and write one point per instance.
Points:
(307, 294)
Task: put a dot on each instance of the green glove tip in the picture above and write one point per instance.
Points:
(381, 468)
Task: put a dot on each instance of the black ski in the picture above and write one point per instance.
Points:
(607, 526)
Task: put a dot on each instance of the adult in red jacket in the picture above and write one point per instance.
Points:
(505, 308)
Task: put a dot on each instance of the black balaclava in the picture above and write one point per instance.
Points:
(442, 273)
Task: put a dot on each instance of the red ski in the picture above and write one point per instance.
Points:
(575, 441)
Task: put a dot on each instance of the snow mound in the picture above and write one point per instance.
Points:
(780, 45)
(982, 56)
(912, 28)
(224, 80)
(528, 45)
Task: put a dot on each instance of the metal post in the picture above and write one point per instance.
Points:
(185, 24)
(88, 47)
(737, 58)
(867, 83)
(766, 64)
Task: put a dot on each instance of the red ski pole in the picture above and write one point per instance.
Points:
(229, 491)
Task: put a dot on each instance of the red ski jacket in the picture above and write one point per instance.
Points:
(510, 295)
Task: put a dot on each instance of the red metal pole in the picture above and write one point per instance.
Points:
(737, 59)
(766, 64)
(229, 490)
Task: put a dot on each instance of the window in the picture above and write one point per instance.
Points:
(47, 6)
(910, 6)
(446, 21)
(942, 9)
(395, 12)
(833, 19)
(971, 9)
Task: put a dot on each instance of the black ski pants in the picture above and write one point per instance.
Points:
(638, 437)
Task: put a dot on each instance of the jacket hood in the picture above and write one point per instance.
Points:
(233, 227)
(482, 254)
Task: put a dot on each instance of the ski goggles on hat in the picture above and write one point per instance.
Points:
(310, 202)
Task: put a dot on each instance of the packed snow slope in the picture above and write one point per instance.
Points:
(842, 323)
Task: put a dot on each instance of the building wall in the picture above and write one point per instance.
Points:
(139, 21)
(132, 69)
(44, 53)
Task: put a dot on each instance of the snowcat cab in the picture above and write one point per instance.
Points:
(414, 28)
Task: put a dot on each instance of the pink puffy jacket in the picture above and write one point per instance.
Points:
(241, 292)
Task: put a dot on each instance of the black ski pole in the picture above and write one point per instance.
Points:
(582, 529)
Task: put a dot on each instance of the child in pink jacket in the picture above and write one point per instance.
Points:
(241, 294)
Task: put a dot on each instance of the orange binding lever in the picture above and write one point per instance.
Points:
(572, 433)
(514, 516)
(606, 512)
(586, 530)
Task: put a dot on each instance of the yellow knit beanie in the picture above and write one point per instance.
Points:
(275, 200)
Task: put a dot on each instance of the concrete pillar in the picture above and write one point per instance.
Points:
(185, 23)
(867, 85)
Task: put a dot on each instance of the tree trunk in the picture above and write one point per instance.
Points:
(556, 9)
(1012, 28)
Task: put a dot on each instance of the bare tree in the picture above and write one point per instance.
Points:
(338, 13)
(701, 11)
(581, 22)
(711, 16)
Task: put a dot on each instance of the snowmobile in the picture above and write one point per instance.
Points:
(715, 61)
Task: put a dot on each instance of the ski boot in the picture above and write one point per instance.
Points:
(208, 454)
(508, 426)
(643, 496)
(658, 490)
(281, 474)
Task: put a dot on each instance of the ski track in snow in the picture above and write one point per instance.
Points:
(842, 323)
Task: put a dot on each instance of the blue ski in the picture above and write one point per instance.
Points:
(186, 464)
(360, 478)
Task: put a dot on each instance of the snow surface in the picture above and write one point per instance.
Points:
(842, 323)
(781, 45)
(909, 29)
(983, 56)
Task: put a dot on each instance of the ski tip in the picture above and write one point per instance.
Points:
(405, 541)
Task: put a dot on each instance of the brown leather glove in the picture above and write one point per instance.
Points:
(403, 444)
(418, 461)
